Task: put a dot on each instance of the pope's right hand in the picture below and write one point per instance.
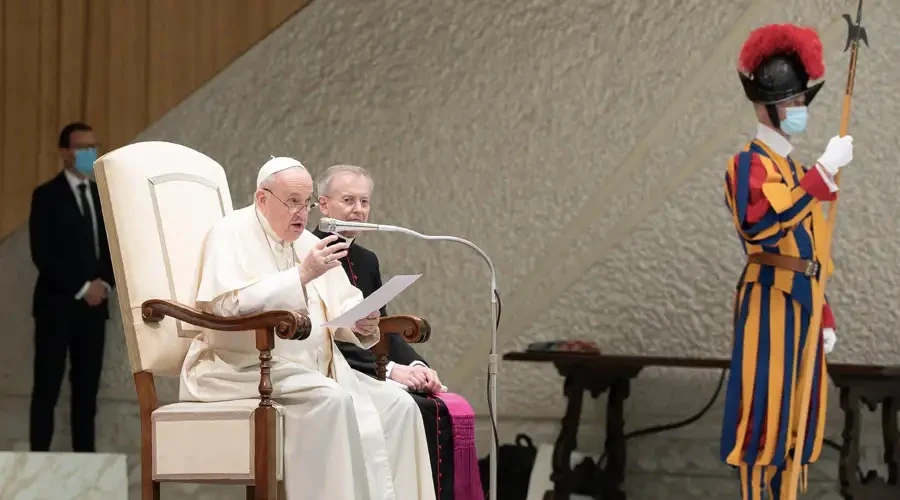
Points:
(322, 258)
(838, 154)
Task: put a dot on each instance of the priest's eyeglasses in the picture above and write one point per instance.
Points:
(293, 206)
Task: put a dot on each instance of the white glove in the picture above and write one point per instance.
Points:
(829, 338)
(838, 154)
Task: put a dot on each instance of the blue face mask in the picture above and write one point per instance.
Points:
(795, 120)
(84, 160)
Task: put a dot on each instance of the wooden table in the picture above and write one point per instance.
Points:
(859, 385)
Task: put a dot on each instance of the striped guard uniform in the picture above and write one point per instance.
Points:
(775, 206)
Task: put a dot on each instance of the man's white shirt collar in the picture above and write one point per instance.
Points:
(74, 180)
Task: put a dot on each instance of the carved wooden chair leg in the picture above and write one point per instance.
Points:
(282, 494)
(147, 402)
(266, 487)
(412, 329)
(150, 490)
(381, 356)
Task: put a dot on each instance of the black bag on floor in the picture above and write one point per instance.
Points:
(513, 469)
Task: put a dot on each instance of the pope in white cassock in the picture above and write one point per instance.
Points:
(346, 436)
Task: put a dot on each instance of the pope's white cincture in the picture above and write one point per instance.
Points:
(347, 436)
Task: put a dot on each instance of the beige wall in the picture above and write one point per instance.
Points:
(582, 144)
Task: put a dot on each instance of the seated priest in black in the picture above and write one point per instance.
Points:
(344, 193)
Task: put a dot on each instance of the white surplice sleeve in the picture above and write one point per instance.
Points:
(282, 290)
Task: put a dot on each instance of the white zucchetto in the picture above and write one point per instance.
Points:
(274, 166)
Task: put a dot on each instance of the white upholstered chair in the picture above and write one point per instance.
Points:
(159, 201)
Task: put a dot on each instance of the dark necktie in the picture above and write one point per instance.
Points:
(86, 218)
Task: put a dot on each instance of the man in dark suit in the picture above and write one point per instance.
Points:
(344, 193)
(70, 308)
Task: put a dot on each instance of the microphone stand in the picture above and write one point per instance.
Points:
(493, 357)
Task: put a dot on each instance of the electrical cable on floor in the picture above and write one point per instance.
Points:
(683, 423)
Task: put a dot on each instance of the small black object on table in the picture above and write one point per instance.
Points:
(597, 373)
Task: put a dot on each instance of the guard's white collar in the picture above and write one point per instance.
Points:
(776, 142)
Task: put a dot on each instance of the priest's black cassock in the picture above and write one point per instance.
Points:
(363, 270)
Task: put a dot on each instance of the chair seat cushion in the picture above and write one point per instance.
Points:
(208, 441)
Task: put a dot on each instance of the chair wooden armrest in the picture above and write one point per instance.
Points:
(413, 329)
(287, 325)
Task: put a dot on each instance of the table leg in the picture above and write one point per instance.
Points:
(616, 450)
(890, 408)
(605, 483)
(568, 437)
(850, 436)
(855, 392)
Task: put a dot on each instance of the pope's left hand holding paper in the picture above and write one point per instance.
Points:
(368, 325)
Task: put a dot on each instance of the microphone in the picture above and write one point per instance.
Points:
(329, 225)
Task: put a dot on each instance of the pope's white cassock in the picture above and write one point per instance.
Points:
(347, 436)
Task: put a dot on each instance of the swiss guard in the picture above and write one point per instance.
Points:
(776, 207)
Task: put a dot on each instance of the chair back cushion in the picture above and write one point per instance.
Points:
(159, 201)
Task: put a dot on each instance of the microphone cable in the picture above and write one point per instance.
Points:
(488, 386)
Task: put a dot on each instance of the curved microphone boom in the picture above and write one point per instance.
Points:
(329, 225)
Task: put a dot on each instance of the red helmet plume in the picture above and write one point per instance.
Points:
(783, 39)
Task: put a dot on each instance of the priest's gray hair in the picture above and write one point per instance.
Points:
(324, 185)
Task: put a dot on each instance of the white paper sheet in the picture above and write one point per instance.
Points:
(378, 299)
